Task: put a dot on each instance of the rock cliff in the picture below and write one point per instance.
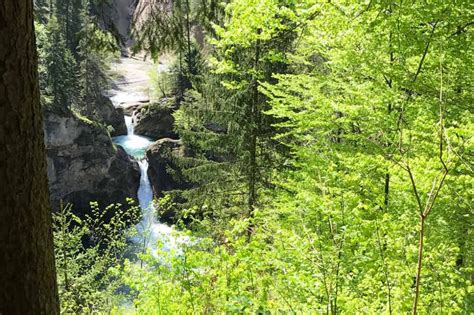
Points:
(165, 172)
(116, 16)
(106, 113)
(84, 165)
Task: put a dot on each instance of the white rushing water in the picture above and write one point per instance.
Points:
(150, 230)
(132, 87)
(129, 124)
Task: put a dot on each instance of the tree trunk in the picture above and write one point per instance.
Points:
(254, 129)
(419, 266)
(27, 271)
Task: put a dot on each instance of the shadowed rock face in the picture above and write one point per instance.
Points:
(164, 171)
(106, 113)
(117, 18)
(84, 165)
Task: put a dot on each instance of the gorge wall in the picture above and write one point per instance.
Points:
(117, 18)
(84, 165)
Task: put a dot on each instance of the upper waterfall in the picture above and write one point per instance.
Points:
(129, 123)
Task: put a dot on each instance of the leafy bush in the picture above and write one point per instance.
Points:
(88, 253)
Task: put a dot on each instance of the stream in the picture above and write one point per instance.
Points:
(150, 230)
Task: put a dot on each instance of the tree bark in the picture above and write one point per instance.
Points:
(27, 271)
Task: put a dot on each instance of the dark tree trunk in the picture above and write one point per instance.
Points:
(254, 129)
(27, 272)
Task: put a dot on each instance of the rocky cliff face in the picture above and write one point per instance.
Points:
(84, 165)
(165, 172)
(116, 16)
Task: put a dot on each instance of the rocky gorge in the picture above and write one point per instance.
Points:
(84, 165)
(150, 118)
(98, 156)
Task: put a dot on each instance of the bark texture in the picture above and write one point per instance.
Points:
(27, 271)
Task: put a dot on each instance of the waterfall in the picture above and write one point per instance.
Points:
(129, 124)
(129, 91)
(145, 193)
(135, 145)
(146, 227)
(150, 230)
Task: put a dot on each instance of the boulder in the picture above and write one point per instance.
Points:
(84, 165)
(128, 109)
(155, 120)
(106, 113)
(164, 170)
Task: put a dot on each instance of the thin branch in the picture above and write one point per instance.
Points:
(415, 190)
(462, 28)
(425, 52)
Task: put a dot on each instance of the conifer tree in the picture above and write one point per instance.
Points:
(70, 17)
(95, 49)
(168, 27)
(60, 65)
(222, 119)
(27, 277)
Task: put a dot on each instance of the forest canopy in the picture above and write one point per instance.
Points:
(328, 157)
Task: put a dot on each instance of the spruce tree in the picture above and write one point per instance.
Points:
(60, 65)
(222, 119)
(70, 17)
(168, 27)
(95, 49)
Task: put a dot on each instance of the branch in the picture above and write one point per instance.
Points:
(432, 198)
(415, 190)
(462, 28)
(425, 52)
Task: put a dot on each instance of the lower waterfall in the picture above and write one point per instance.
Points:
(150, 230)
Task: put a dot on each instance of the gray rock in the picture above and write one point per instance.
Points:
(164, 170)
(165, 173)
(116, 17)
(84, 165)
(155, 120)
(106, 113)
(128, 109)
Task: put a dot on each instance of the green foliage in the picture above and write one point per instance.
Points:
(74, 54)
(88, 254)
(168, 27)
(96, 50)
(163, 83)
(70, 15)
(57, 67)
(372, 122)
(42, 10)
(364, 133)
(222, 120)
(289, 269)
(330, 161)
